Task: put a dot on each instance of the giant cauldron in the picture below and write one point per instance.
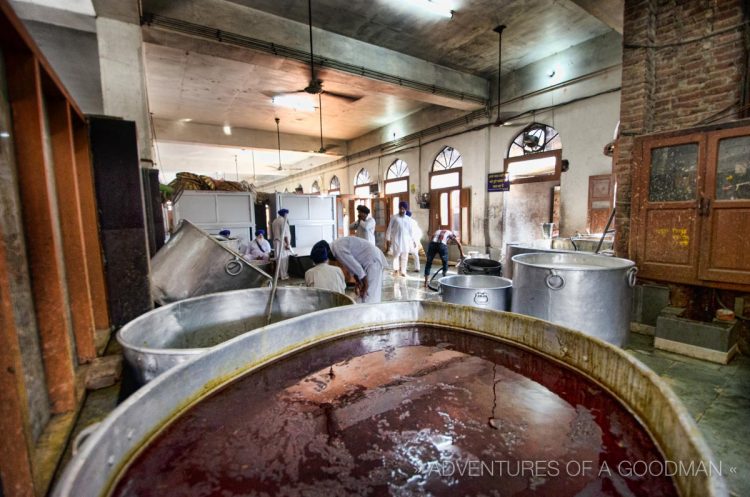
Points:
(322, 427)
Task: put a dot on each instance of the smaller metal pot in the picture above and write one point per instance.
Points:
(487, 292)
(480, 266)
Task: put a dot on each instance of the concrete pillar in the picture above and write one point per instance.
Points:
(122, 67)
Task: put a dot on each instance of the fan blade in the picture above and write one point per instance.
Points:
(349, 98)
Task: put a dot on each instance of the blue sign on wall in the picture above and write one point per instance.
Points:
(498, 182)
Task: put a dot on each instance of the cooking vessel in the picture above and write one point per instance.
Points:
(193, 263)
(170, 335)
(481, 266)
(490, 292)
(93, 470)
(590, 293)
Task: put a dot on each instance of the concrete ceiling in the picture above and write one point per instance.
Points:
(214, 83)
(535, 28)
(214, 90)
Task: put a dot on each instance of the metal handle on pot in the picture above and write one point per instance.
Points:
(82, 436)
(554, 281)
(631, 276)
(233, 267)
(481, 298)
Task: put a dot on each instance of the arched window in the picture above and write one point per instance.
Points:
(399, 169)
(448, 158)
(444, 174)
(535, 138)
(362, 183)
(396, 184)
(534, 155)
(449, 209)
(334, 187)
(315, 188)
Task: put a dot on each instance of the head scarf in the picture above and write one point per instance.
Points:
(322, 246)
(403, 205)
(319, 254)
(225, 233)
(260, 232)
(283, 212)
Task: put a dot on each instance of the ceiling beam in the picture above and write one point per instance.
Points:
(610, 12)
(213, 22)
(209, 134)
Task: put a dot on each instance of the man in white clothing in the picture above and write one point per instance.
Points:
(416, 233)
(323, 275)
(363, 260)
(282, 242)
(259, 249)
(365, 225)
(398, 236)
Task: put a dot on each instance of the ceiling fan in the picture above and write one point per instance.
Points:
(278, 142)
(315, 85)
(323, 149)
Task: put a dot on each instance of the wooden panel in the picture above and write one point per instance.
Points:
(15, 445)
(667, 225)
(671, 238)
(90, 227)
(725, 253)
(25, 95)
(66, 185)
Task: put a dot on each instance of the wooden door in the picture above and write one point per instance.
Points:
(379, 213)
(600, 202)
(667, 200)
(343, 215)
(725, 208)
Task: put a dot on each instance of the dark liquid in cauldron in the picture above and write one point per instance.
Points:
(413, 411)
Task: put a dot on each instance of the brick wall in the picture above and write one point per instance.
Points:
(683, 66)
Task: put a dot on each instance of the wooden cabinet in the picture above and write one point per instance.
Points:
(691, 207)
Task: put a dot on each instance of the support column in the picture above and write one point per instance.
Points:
(66, 184)
(90, 221)
(44, 247)
(122, 68)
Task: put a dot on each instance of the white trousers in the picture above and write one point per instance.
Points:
(282, 259)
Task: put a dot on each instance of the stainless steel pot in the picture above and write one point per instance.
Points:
(554, 245)
(490, 292)
(175, 333)
(589, 293)
(93, 470)
(193, 263)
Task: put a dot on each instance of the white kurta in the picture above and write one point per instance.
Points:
(365, 229)
(399, 234)
(362, 259)
(326, 277)
(258, 249)
(280, 230)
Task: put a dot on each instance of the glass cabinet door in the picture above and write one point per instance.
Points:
(667, 223)
(725, 209)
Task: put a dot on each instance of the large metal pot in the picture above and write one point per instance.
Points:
(170, 335)
(480, 266)
(490, 292)
(589, 293)
(193, 263)
(107, 451)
